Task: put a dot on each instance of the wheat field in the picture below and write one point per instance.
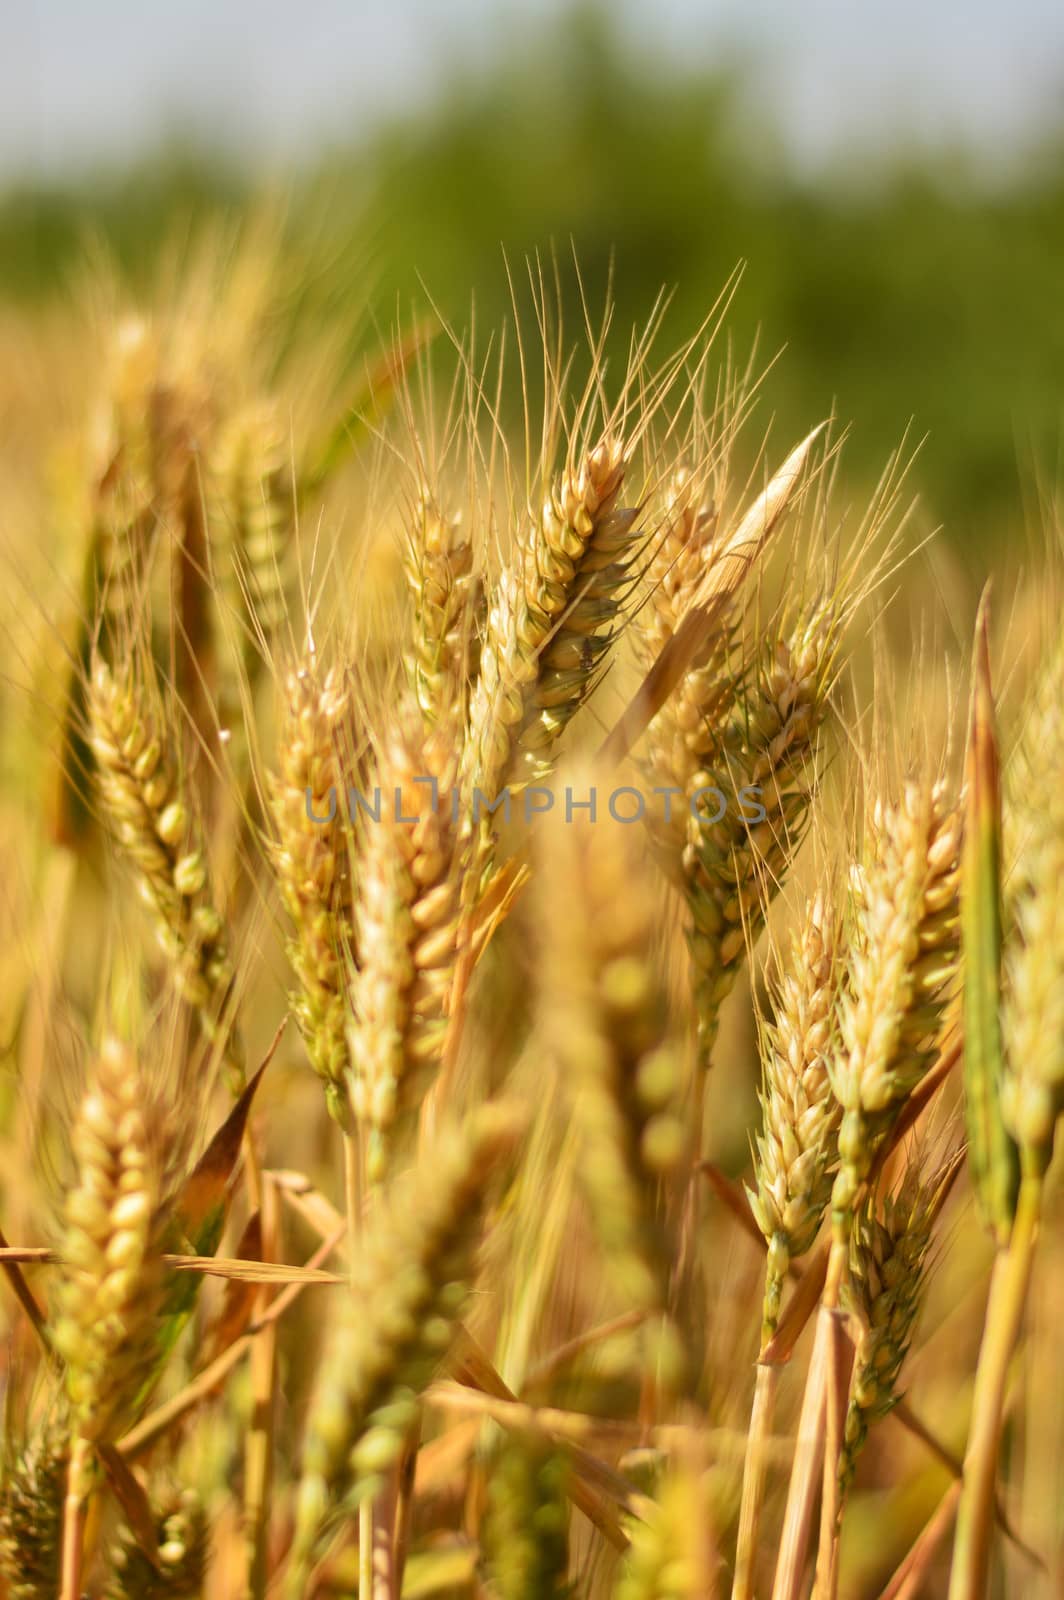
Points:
(531, 979)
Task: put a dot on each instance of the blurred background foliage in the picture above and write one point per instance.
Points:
(927, 288)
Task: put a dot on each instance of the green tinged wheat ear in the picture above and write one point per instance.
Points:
(251, 511)
(443, 657)
(183, 1538)
(1033, 1087)
(409, 877)
(309, 855)
(606, 1021)
(901, 966)
(525, 1535)
(551, 622)
(887, 1277)
(146, 808)
(796, 1150)
(109, 1295)
(31, 1516)
(410, 1283)
(765, 757)
(670, 1556)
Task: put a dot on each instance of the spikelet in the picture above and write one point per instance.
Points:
(796, 1150)
(183, 1537)
(551, 623)
(411, 1278)
(526, 1527)
(109, 1295)
(1033, 1087)
(309, 858)
(151, 819)
(443, 658)
(735, 859)
(408, 912)
(605, 1018)
(902, 962)
(887, 1259)
(250, 513)
(31, 1515)
(670, 1556)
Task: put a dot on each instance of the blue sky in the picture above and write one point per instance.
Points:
(83, 81)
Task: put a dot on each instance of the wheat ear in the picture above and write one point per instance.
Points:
(146, 807)
(109, 1295)
(671, 1556)
(1033, 1088)
(550, 623)
(410, 1282)
(795, 1156)
(796, 1150)
(732, 864)
(31, 1516)
(526, 1526)
(410, 881)
(902, 963)
(887, 1278)
(183, 1537)
(605, 1017)
(310, 860)
(443, 657)
(250, 513)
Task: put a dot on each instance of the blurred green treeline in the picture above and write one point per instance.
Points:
(924, 290)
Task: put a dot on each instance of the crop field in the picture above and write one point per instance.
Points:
(531, 964)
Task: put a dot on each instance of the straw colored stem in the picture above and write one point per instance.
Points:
(1008, 1292)
(802, 1491)
(754, 1467)
(74, 1513)
(259, 1451)
(840, 1360)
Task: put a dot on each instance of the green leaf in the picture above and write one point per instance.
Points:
(992, 1155)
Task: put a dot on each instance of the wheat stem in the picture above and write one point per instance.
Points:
(754, 1467)
(1008, 1292)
